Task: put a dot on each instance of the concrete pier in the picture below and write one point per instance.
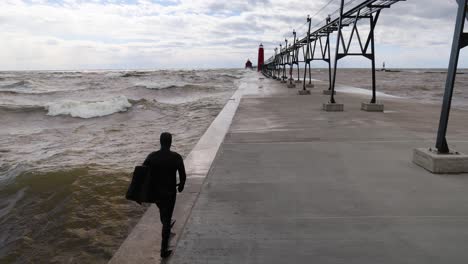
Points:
(333, 107)
(434, 162)
(294, 184)
(372, 107)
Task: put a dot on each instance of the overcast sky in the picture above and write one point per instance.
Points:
(126, 34)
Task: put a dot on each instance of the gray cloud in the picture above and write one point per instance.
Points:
(116, 34)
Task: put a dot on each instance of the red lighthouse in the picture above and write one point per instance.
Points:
(260, 58)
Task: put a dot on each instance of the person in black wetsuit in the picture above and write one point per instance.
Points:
(163, 165)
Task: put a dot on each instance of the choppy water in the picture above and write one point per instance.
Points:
(423, 85)
(68, 142)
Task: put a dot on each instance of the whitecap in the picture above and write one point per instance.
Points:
(89, 109)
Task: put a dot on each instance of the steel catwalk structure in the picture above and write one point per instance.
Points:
(367, 10)
(319, 40)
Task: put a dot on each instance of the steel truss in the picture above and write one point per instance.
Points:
(320, 39)
(460, 40)
(311, 53)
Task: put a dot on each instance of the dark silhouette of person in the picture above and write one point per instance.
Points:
(248, 64)
(163, 165)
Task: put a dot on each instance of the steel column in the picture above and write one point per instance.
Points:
(306, 61)
(275, 63)
(338, 38)
(460, 40)
(285, 59)
(372, 24)
(329, 56)
(296, 54)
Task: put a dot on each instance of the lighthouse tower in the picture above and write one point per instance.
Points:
(260, 58)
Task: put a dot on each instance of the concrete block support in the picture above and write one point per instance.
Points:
(303, 92)
(429, 159)
(310, 85)
(298, 81)
(368, 107)
(291, 85)
(328, 92)
(329, 107)
(283, 81)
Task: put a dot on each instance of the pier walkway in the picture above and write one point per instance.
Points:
(294, 184)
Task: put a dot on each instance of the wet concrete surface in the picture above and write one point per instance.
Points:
(294, 184)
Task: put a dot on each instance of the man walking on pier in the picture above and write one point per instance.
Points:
(163, 165)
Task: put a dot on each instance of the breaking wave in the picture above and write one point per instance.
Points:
(135, 74)
(172, 86)
(89, 109)
(32, 92)
(17, 85)
(83, 109)
(23, 87)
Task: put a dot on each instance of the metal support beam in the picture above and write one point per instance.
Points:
(373, 22)
(329, 57)
(306, 62)
(364, 49)
(295, 54)
(338, 38)
(291, 60)
(459, 41)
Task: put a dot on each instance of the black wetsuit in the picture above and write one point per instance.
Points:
(163, 165)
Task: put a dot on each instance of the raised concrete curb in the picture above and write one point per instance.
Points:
(369, 107)
(329, 107)
(430, 160)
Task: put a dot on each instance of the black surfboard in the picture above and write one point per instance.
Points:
(138, 190)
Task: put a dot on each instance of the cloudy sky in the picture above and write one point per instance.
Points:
(125, 34)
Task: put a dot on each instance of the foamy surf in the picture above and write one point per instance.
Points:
(89, 109)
